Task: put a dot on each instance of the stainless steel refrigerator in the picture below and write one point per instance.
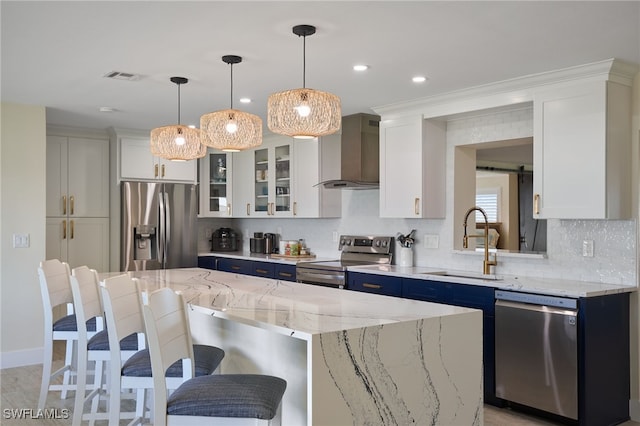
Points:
(158, 226)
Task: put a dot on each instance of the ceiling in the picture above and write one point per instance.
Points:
(56, 54)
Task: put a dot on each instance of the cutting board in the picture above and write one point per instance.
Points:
(286, 256)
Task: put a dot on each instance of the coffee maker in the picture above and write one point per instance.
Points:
(224, 239)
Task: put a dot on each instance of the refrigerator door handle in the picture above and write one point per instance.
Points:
(161, 229)
(167, 227)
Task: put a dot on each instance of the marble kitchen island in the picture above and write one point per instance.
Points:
(349, 358)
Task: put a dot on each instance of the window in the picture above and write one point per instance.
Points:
(489, 200)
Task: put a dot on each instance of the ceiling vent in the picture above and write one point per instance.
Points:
(118, 75)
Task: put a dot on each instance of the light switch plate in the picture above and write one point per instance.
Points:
(20, 240)
(587, 248)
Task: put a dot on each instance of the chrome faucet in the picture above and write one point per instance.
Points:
(486, 265)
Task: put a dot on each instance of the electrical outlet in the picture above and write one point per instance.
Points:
(587, 248)
(431, 241)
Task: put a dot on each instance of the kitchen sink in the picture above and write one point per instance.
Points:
(472, 275)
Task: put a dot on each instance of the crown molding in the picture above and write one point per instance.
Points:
(514, 91)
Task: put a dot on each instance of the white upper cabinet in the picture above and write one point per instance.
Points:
(314, 161)
(280, 177)
(412, 168)
(77, 177)
(216, 177)
(137, 163)
(582, 151)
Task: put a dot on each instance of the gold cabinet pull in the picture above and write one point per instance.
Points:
(71, 222)
(368, 285)
(285, 274)
(235, 268)
(536, 204)
(416, 206)
(262, 271)
(72, 203)
(229, 209)
(295, 208)
(248, 209)
(155, 171)
(64, 204)
(64, 229)
(163, 170)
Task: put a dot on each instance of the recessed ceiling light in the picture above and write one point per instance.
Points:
(245, 100)
(419, 79)
(360, 67)
(107, 109)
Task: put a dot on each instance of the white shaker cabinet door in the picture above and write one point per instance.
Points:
(77, 177)
(79, 241)
(243, 178)
(88, 177)
(136, 161)
(412, 168)
(582, 152)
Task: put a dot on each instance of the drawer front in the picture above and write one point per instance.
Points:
(235, 265)
(426, 290)
(285, 272)
(263, 269)
(207, 262)
(378, 284)
(471, 296)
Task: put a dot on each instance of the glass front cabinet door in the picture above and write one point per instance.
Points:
(215, 184)
(272, 183)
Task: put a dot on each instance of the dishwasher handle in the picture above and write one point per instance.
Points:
(537, 299)
(536, 308)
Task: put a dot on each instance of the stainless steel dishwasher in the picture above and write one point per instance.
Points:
(537, 351)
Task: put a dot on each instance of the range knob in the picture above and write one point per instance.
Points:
(348, 242)
(384, 243)
(377, 243)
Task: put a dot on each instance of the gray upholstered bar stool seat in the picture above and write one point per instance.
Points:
(231, 399)
(207, 360)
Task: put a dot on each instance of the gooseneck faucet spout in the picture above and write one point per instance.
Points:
(486, 265)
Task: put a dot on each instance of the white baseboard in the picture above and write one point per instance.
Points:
(21, 358)
(634, 410)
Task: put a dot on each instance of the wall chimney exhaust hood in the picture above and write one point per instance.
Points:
(360, 153)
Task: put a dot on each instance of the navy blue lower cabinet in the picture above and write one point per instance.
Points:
(207, 262)
(237, 266)
(603, 360)
(285, 272)
(263, 269)
(372, 283)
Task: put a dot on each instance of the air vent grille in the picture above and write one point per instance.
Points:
(119, 75)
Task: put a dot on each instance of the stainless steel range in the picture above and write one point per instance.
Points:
(356, 250)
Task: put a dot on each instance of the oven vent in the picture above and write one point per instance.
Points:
(119, 75)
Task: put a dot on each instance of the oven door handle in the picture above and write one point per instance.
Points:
(307, 275)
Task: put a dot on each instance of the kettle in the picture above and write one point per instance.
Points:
(270, 243)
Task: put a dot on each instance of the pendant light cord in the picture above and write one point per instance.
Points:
(231, 100)
(304, 61)
(178, 103)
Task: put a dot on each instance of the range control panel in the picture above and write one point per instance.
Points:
(365, 244)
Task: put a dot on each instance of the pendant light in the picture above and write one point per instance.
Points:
(177, 142)
(303, 113)
(230, 129)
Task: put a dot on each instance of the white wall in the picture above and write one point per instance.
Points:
(22, 201)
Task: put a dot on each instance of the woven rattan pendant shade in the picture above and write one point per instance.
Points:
(304, 113)
(177, 142)
(231, 129)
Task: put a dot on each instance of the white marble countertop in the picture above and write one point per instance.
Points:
(547, 286)
(293, 309)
